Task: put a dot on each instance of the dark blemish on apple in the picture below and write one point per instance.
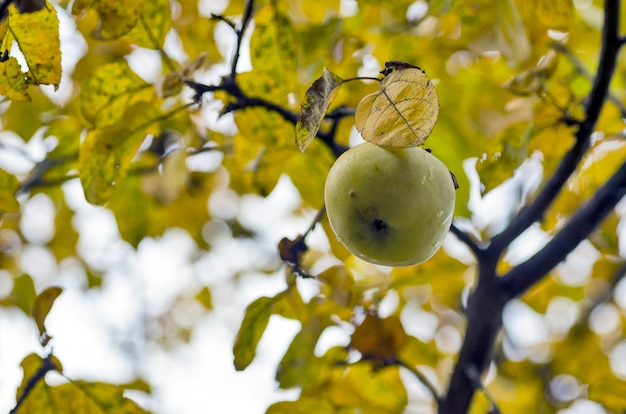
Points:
(351, 194)
(378, 225)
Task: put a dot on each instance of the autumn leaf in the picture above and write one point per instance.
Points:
(369, 390)
(314, 106)
(106, 153)
(110, 90)
(41, 308)
(254, 322)
(379, 339)
(153, 24)
(76, 397)
(8, 187)
(41, 48)
(403, 113)
(117, 17)
(13, 83)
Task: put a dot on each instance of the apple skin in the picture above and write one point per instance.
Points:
(389, 206)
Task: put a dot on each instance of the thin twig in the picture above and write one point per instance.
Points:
(467, 240)
(247, 16)
(429, 386)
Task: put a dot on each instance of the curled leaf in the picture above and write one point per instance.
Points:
(403, 112)
(314, 106)
(41, 308)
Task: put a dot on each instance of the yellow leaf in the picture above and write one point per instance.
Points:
(153, 25)
(274, 54)
(8, 187)
(416, 352)
(106, 153)
(43, 57)
(111, 89)
(314, 106)
(76, 397)
(32, 394)
(41, 308)
(117, 17)
(369, 390)
(402, 113)
(13, 82)
(554, 14)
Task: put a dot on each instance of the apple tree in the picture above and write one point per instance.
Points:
(520, 311)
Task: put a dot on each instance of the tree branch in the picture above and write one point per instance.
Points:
(467, 240)
(519, 279)
(484, 320)
(611, 43)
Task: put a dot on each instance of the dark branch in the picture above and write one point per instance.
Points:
(247, 16)
(467, 240)
(611, 44)
(46, 366)
(248, 102)
(519, 279)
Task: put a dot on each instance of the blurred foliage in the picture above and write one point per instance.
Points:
(508, 74)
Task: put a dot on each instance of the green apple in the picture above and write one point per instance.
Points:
(389, 206)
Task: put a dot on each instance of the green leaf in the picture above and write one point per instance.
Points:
(42, 57)
(22, 295)
(609, 393)
(314, 106)
(300, 367)
(504, 155)
(41, 308)
(306, 405)
(117, 17)
(511, 33)
(252, 327)
(110, 90)
(8, 187)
